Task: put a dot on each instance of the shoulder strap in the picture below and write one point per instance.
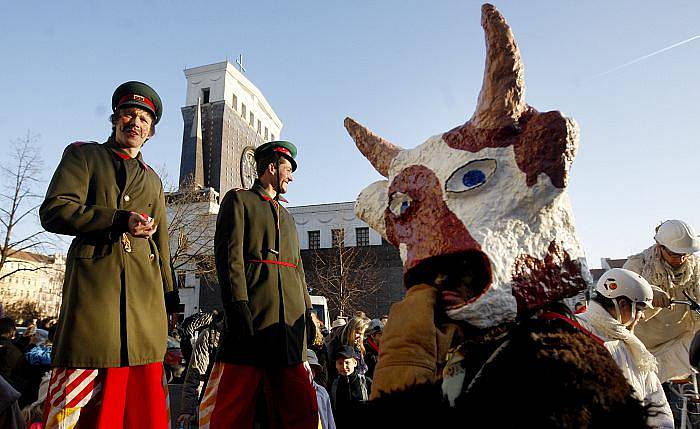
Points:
(550, 315)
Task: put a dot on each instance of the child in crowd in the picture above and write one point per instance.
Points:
(350, 390)
(325, 412)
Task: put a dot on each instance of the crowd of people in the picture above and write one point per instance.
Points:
(25, 367)
(341, 360)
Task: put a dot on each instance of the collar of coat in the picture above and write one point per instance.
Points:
(122, 154)
(260, 190)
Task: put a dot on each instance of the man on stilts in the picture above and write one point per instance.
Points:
(112, 330)
(267, 305)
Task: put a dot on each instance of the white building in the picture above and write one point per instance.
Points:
(320, 226)
(34, 279)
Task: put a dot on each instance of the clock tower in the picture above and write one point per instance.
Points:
(225, 118)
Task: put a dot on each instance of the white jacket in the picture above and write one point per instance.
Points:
(640, 375)
(668, 332)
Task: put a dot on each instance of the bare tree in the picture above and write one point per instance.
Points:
(23, 311)
(191, 228)
(19, 204)
(346, 276)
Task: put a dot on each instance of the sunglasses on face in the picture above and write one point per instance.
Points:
(674, 254)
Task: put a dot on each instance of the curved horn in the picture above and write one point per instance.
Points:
(378, 151)
(502, 96)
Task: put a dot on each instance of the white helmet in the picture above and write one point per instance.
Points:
(620, 282)
(677, 236)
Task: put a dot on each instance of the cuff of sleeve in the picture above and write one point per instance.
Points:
(120, 222)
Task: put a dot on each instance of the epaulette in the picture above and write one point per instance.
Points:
(80, 143)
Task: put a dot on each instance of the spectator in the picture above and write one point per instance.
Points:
(38, 363)
(353, 335)
(317, 344)
(374, 335)
(198, 370)
(325, 412)
(190, 328)
(33, 414)
(671, 266)
(349, 391)
(12, 361)
(10, 415)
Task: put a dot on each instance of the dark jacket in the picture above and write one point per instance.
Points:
(12, 364)
(10, 415)
(349, 395)
(262, 281)
(113, 308)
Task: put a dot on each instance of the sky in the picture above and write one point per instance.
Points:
(407, 69)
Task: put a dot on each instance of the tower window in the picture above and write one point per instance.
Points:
(259, 127)
(234, 102)
(251, 122)
(205, 95)
(243, 110)
(272, 137)
(266, 134)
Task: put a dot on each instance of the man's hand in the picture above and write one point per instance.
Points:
(239, 321)
(661, 299)
(141, 226)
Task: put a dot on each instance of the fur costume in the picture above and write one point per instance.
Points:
(483, 223)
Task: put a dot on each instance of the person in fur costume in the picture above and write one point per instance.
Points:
(672, 268)
(485, 231)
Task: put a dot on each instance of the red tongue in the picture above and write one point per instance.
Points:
(451, 298)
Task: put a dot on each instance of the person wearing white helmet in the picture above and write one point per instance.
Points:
(617, 305)
(671, 267)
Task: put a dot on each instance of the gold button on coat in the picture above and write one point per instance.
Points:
(127, 198)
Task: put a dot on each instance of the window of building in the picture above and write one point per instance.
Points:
(259, 127)
(272, 137)
(181, 278)
(362, 236)
(234, 102)
(243, 111)
(338, 237)
(252, 120)
(314, 239)
(265, 133)
(205, 95)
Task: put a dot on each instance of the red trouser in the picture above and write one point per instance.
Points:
(230, 399)
(107, 398)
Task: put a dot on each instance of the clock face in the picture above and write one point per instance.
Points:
(248, 173)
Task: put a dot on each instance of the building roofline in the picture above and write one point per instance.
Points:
(329, 206)
(243, 80)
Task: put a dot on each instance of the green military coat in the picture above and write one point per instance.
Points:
(113, 309)
(258, 264)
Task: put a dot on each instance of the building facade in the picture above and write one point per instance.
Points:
(338, 249)
(34, 280)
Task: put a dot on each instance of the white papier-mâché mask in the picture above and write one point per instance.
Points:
(481, 211)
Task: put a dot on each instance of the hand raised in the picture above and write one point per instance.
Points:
(141, 225)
